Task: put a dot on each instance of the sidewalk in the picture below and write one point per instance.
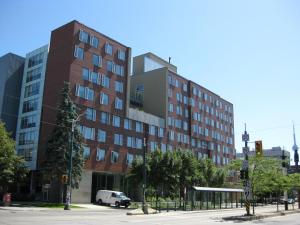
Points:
(262, 212)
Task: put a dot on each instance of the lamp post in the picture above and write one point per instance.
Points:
(70, 163)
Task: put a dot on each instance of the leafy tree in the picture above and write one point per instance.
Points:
(211, 176)
(12, 167)
(58, 148)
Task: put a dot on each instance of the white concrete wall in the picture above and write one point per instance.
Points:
(83, 194)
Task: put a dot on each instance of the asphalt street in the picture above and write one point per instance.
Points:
(118, 217)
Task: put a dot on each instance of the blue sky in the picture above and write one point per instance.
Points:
(248, 52)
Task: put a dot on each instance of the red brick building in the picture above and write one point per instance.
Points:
(176, 112)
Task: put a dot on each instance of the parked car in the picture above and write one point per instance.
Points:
(112, 198)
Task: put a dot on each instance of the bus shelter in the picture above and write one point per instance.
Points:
(215, 198)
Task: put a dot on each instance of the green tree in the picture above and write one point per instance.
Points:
(58, 147)
(12, 167)
(211, 176)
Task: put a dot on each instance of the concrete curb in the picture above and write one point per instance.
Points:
(140, 212)
(258, 217)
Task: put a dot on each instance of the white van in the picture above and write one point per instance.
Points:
(112, 198)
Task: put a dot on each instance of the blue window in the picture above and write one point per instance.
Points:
(97, 60)
(83, 36)
(86, 152)
(85, 74)
(116, 122)
(105, 81)
(94, 42)
(101, 135)
(119, 86)
(79, 53)
(121, 55)
(118, 139)
(110, 66)
(118, 103)
(104, 100)
(100, 154)
(108, 49)
(90, 114)
(104, 118)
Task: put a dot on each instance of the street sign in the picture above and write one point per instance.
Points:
(247, 190)
(245, 165)
(246, 150)
(245, 137)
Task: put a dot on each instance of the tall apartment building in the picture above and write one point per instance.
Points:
(11, 74)
(119, 110)
(30, 107)
(196, 118)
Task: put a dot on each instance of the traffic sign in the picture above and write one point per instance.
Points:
(245, 137)
(246, 150)
(245, 165)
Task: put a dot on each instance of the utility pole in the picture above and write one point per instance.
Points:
(144, 203)
(296, 160)
(284, 171)
(70, 163)
(245, 173)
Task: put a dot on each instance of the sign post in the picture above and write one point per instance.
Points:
(245, 173)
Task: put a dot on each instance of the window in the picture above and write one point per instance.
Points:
(105, 118)
(34, 74)
(116, 121)
(170, 93)
(178, 110)
(114, 157)
(138, 127)
(83, 36)
(26, 153)
(95, 78)
(30, 105)
(121, 55)
(118, 103)
(94, 41)
(130, 142)
(104, 100)
(32, 89)
(87, 132)
(84, 92)
(139, 143)
(97, 60)
(184, 87)
(118, 139)
(35, 60)
(109, 66)
(119, 86)
(171, 135)
(153, 145)
(108, 49)
(100, 154)
(129, 159)
(26, 138)
(28, 121)
(152, 130)
(119, 70)
(171, 107)
(127, 124)
(86, 152)
(105, 81)
(85, 74)
(90, 114)
(101, 136)
(160, 132)
(163, 147)
(185, 125)
(79, 53)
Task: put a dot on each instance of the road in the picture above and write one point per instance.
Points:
(118, 217)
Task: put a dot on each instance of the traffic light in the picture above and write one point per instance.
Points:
(244, 174)
(64, 179)
(258, 148)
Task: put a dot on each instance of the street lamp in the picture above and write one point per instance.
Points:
(70, 165)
